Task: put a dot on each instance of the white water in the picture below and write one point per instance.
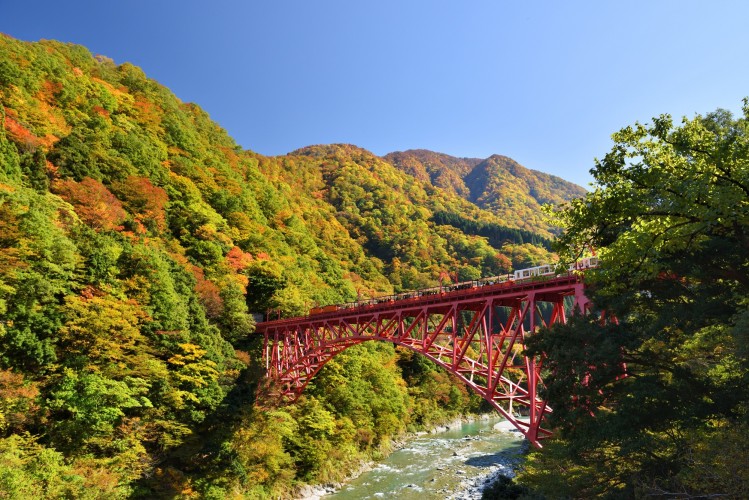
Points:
(453, 464)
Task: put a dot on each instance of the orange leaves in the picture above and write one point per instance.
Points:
(210, 298)
(51, 169)
(101, 111)
(93, 202)
(21, 134)
(145, 200)
(16, 401)
(171, 483)
(237, 259)
(148, 113)
(502, 263)
(49, 89)
(208, 293)
(243, 357)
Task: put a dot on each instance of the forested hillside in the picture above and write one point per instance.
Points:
(137, 239)
(439, 169)
(498, 184)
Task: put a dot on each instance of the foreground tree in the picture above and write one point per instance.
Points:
(670, 219)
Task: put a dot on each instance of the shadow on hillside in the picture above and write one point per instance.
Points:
(200, 456)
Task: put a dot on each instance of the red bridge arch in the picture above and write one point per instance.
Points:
(477, 333)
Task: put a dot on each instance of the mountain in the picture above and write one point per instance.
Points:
(498, 184)
(441, 170)
(137, 239)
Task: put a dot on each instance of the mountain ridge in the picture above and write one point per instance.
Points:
(498, 184)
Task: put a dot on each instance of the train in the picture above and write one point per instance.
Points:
(520, 275)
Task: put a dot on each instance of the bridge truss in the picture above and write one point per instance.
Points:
(478, 334)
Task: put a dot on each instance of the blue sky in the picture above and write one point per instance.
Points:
(544, 82)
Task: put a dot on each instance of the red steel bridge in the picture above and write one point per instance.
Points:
(475, 331)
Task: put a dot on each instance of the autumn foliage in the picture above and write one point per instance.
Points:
(144, 200)
(139, 242)
(93, 203)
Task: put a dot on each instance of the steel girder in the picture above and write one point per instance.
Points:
(476, 334)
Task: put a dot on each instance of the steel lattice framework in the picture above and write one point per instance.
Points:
(478, 334)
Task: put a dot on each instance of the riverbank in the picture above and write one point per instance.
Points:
(452, 460)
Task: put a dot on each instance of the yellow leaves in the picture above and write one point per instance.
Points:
(103, 328)
(243, 357)
(191, 352)
(260, 450)
(206, 232)
(178, 399)
(193, 369)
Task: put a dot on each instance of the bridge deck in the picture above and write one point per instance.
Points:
(504, 290)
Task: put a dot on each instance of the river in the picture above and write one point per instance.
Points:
(451, 464)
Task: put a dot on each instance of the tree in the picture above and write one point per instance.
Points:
(30, 470)
(144, 200)
(17, 405)
(93, 202)
(10, 169)
(670, 220)
(257, 450)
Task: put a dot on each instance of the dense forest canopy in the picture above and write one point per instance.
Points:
(136, 241)
(656, 403)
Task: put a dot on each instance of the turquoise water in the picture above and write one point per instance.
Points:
(448, 464)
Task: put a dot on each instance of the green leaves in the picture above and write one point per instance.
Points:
(88, 406)
(30, 470)
(670, 220)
